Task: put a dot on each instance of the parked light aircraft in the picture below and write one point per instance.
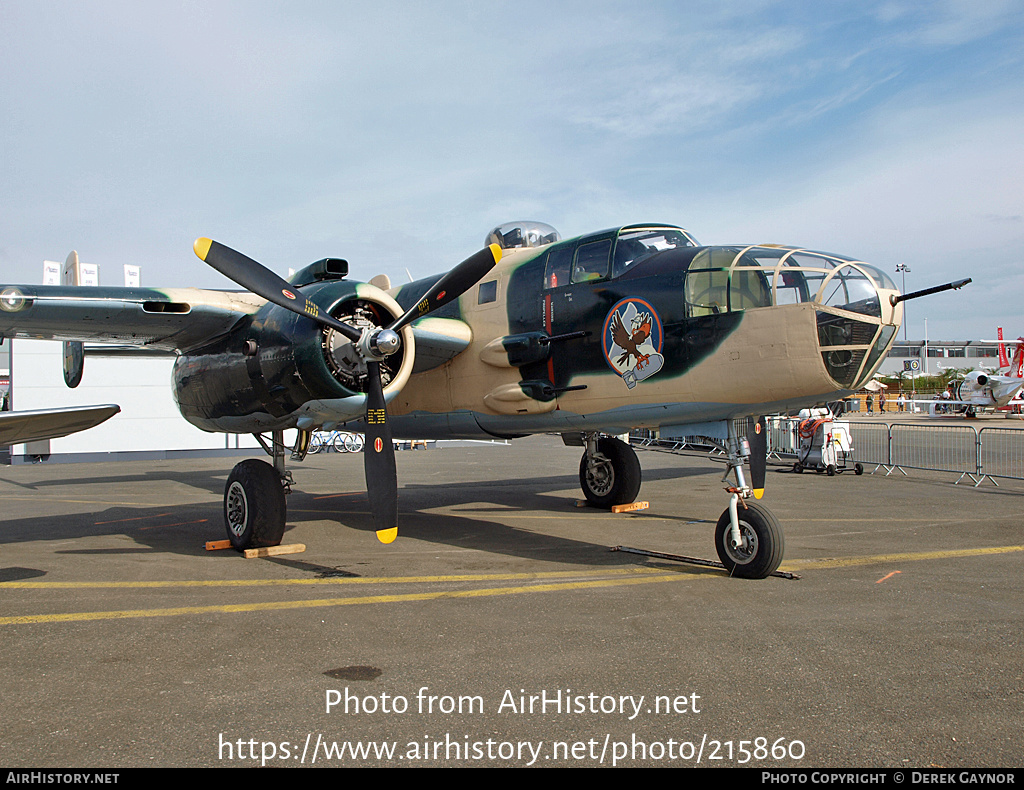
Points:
(981, 389)
(589, 337)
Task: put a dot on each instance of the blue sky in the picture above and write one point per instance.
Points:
(396, 136)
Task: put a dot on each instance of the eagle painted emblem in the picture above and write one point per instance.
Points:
(632, 341)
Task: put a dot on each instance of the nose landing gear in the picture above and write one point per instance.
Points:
(748, 537)
(758, 551)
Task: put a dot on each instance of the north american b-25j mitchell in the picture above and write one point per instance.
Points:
(589, 337)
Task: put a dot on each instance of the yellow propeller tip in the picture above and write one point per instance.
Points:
(495, 251)
(202, 247)
(758, 493)
(387, 535)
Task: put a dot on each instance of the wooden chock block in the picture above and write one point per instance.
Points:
(274, 551)
(630, 507)
(217, 545)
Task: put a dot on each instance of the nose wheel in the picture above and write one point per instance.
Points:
(760, 547)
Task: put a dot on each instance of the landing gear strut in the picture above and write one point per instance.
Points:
(609, 472)
(254, 498)
(748, 536)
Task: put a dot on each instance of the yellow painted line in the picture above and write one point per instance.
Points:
(844, 562)
(369, 599)
(486, 515)
(636, 576)
(469, 577)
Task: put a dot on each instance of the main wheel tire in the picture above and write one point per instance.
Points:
(615, 481)
(254, 506)
(762, 547)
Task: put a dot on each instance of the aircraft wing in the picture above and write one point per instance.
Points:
(17, 427)
(174, 319)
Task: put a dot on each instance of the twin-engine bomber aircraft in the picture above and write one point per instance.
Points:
(634, 327)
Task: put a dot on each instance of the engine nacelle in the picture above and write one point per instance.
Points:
(279, 370)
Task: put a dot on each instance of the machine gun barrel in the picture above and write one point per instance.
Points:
(896, 299)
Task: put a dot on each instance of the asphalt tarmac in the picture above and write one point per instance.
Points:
(499, 629)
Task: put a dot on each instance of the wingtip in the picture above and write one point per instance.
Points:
(201, 246)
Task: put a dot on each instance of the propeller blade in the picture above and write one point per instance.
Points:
(261, 281)
(757, 435)
(379, 450)
(452, 285)
(379, 459)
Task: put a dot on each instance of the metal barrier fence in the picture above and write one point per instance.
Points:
(987, 452)
(1001, 453)
(870, 443)
(939, 448)
(959, 449)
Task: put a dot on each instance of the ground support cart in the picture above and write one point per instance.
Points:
(825, 444)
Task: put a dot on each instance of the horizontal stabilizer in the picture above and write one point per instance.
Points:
(17, 427)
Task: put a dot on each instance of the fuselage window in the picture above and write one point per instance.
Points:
(749, 289)
(792, 287)
(633, 246)
(707, 292)
(488, 292)
(592, 261)
(558, 267)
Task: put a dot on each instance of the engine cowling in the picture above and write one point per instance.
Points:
(278, 369)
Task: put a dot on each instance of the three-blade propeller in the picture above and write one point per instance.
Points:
(373, 345)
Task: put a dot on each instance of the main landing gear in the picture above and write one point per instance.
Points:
(254, 497)
(748, 537)
(609, 471)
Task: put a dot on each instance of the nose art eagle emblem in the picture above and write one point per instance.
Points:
(632, 341)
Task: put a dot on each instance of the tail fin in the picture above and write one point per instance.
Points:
(1017, 366)
(1004, 360)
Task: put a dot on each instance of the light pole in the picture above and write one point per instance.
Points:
(902, 268)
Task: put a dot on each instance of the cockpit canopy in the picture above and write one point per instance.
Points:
(513, 235)
(610, 253)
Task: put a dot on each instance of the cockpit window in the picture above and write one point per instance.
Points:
(633, 245)
(849, 288)
(725, 279)
(591, 261)
(707, 291)
(559, 264)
